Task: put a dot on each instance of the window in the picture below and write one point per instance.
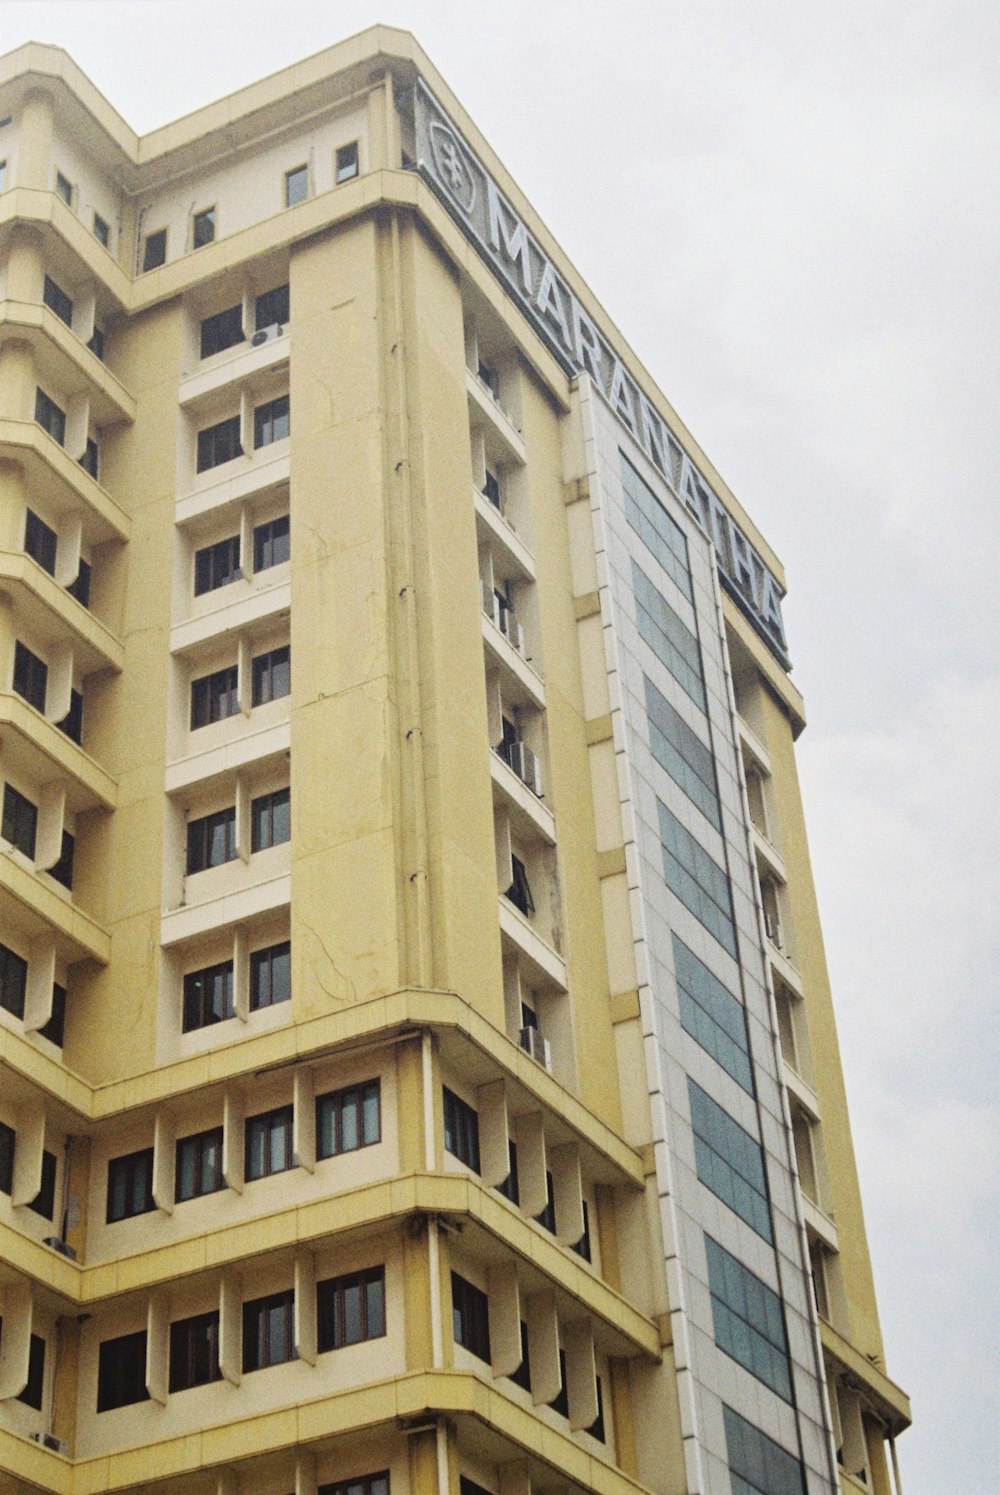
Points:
(729, 1161)
(654, 526)
(350, 1309)
(697, 880)
(468, 1486)
(491, 490)
(272, 676)
(271, 543)
(194, 1351)
(470, 1317)
(72, 722)
(20, 821)
(270, 422)
(203, 228)
(63, 869)
(32, 1393)
(271, 309)
(57, 300)
(44, 1202)
(461, 1129)
(130, 1185)
(519, 892)
(96, 343)
(670, 639)
(270, 820)
(582, 1246)
(348, 1119)
(40, 542)
(221, 331)
(268, 1337)
(121, 1372)
(270, 976)
(547, 1218)
(3, 175)
(347, 162)
(64, 189)
(13, 981)
(296, 185)
(80, 589)
(50, 417)
(198, 1165)
(219, 443)
(713, 1016)
(211, 840)
(55, 1027)
(214, 697)
(683, 754)
(8, 1139)
(102, 232)
(217, 565)
(488, 375)
(268, 1143)
(365, 1484)
(522, 1376)
(509, 1188)
(90, 459)
(758, 1465)
(31, 676)
(748, 1320)
(154, 251)
(560, 1402)
(208, 996)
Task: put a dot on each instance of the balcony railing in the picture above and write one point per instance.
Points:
(519, 757)
(497, 608)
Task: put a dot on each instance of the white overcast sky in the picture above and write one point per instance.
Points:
(790, 209)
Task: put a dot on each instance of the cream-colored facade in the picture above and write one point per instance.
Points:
(417, 1060)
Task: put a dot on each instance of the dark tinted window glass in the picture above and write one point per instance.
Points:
(364, 1484)
(211, 840)
(347, 162)
(348, 1119)
(203, 228)
(96, 343)
(214, 697)
(350, 1309)
(683, 754)
(72, 722)
(729, 1161)
(20, 821)
(50, 417)
(13, 981)
(63, 869)
(154, 249)
(8, 1138)
(270, 820)
(270, 975)
(296, 185)
(461, 1129)
(470, 1310)
(44, 1202)
(651, 522)
(199, 1165)
(272, 309)
(56, 1026)
(194, 1351)
(272, 676)
(271, 422)
(102, 232)
(268, 1143)
(748, 1320)
(758, 1465)
(669, 637)
(80, 589)
(121, 1373)
(32, 1393)
(271, 543)
(58, 301)
(221, 331)
(519, 892)
(130, 1185)
(268, 1337)
(697, 879)
(217, 565)
(219, 443)
(712, 1015)
(208, 996)
(31, 676)
(40, 542)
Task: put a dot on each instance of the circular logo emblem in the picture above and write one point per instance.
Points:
(452, 166)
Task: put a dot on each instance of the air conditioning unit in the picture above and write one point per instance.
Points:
(266, 335)
(61, 1246)
(538, 1047)
(526, 766)
(49, 1440)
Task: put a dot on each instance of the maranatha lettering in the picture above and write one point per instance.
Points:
(507, 244)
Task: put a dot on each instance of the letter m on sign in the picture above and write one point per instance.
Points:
(514, 240)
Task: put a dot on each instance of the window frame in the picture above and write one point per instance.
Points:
(335, 1102)
(217, 565)
(17, 807)
(101, 230)
(470, 1317)
(267, 538)
(347, 162)
(283, 1302)
(154, 250)
(33, 1394)
(461, 1129)
(266, 822)
(215, 331)
(48, 415)
(218, 444)
(200, 832)
(41, 541)
(263, 668)
(209, 693)
(267, 420)
(332, 1311)
(196, 1143)
(198, 221)
(122, 1384)
(8, 1147)
(44, 1202)
(57, 301)
(135, 1169)
(265, 1127)
(265, 958)
(63, 188)
(13, 981)
(185, 1352)
(276, 299)
(30, 679)
(292, 196)
(201, 1003)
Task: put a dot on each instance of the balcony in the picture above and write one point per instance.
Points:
(64, 362)
(67, 487)
(36, 907)
(52, 614)
(494, 523)
(529, 817)
(485, 409)
(505, 646)
(39, 750)
(243, 361)
(542, 964)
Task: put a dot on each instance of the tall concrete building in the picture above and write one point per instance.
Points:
(417, 1062)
